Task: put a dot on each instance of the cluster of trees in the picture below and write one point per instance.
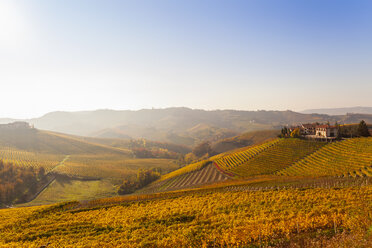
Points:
(201, 151)
(144, 177)
(142, 152)
(286, 133)
(18, 183)
(350, 131)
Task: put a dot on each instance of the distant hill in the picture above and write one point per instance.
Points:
(339, 111)
(34, 140)
(243, 140)
(181, 126)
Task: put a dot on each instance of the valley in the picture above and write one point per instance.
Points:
(256, 188)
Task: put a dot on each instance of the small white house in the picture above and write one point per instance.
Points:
(326, 131)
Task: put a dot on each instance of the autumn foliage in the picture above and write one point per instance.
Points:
(18, 183)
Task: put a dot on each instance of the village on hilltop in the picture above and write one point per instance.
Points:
(327, 132)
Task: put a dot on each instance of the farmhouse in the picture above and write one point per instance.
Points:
(308, 129)
(326, 131)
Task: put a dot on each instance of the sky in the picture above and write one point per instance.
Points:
(71, 55)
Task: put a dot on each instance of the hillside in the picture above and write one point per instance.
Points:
(243, 140)
(283, 157)
(39, 141)
(220, 217)
(352, 157)
(76, 168)
(182, 126)
(132, 143)
(268, 158)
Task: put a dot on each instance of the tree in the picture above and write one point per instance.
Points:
(127, 187)
(339, 132)
(295, 133)
(363, 129)
(284, 132)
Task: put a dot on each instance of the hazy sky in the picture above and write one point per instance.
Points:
(82, 55)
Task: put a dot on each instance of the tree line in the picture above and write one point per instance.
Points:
(18, 183)
(144, 177)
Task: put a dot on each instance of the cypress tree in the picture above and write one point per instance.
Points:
(363, 129)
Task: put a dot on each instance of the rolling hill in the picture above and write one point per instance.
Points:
(243, 140)
(182, 126)
(278, 157)
(352, 157)
(76, 167)
(39, 141)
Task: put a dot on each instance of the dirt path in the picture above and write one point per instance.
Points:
(50, 181)
(60, 163)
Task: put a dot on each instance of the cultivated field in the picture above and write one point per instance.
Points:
(30, 159)
(206, 175)
(283, 157)
(312, 217)
(352, 157)
(109, 166)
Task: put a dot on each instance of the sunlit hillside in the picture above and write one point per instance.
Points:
(304, 217)
(283, 157)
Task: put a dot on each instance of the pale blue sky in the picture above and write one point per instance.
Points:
(252, 54)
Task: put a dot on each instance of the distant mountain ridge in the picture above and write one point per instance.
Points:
(178, 125)
(339, 111)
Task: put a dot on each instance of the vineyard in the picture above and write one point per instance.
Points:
(320, 217)
(352, 157)
(109, 166)
(282, 157)
(234, 160)
(268, 157)
(30, 159)
(207, 174)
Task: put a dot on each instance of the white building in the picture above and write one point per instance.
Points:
(326, 131)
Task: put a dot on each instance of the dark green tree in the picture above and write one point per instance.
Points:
(363, 129)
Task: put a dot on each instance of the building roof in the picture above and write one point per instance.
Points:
(325, 126)
(309, 125)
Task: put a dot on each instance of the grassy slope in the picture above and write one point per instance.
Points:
(64, 189)
(114, 167)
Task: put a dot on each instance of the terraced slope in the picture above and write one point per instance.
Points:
(184, 170)
(352, 157)
(277, 156)
(208, 174)
(236, 159)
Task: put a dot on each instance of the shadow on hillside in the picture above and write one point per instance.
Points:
(62, 180)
